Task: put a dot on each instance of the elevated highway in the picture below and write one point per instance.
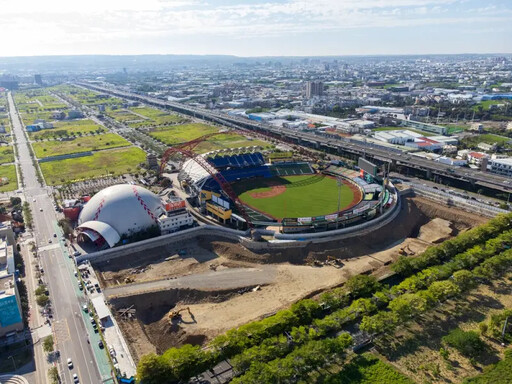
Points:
(345, 147)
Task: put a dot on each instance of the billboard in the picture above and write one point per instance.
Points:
(174, 205)
(368, 167)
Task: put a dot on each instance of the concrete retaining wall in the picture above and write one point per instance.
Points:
(282, 241)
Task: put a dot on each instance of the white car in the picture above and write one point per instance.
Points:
(40, 209)
(70, 363)
(75, 378)
(34, 200)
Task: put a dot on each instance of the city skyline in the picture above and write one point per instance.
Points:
(257, 28)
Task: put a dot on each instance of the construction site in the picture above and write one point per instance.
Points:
(191, 291)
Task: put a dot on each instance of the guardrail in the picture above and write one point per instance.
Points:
(447, 198)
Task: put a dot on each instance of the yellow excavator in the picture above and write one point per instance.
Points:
(406, 251)
(173, 315)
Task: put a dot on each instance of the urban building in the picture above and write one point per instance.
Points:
(11, 318)
(314, 88)
(38, 80)
(500, 166)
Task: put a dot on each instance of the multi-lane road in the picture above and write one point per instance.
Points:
(321, 142)
(70, 333)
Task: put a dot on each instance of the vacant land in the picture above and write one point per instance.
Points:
(115, 161)
(79, 144)
(68, 128)
(298, 196)
(489, 138)
(6, 155)
(487, 104)
(182, 133)
(10, 183)
(153, 117)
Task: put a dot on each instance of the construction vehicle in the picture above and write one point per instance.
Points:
(174, 315)
(128, 280)
(406, 251)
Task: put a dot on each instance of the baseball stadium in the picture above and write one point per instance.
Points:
(278, 191)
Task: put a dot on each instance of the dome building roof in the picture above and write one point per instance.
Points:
(125, 208)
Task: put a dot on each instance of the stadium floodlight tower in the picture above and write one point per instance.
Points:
(187, 150)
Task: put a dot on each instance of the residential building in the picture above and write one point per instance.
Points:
(500, 166)
(314, 88)
(476, 157)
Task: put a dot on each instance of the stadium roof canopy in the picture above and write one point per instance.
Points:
(98, 227)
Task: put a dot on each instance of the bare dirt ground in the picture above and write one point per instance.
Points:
(414, 349)
(214, 312)
(436, 231)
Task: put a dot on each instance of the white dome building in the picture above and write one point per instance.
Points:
(119, 210)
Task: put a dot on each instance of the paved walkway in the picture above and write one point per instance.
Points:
(226, 279)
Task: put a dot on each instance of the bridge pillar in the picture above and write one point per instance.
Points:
(429, 174)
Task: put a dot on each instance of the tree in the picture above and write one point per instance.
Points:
(53, 375)
(48, 344)
(408, 305)
(464, 279)
(362, 285)
(152, 369)
(379, 323)
(42, 300)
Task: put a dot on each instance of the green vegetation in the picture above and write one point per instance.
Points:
(42, 300)
(501, 373)
(112, 162)
(468, 343)
(8, 177)
(487, 104)
(48, 344)
(182, 133)
(6, 155)
(82, 144)
(489, 138)
(53, 375)
(68, 129)
(154, 117)
(368, 369)
(301, 197)
(259, 353)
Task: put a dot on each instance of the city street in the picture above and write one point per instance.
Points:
(68, 326)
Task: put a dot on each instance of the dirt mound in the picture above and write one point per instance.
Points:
(436, 231)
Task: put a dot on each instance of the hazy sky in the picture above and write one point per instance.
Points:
(254, 27)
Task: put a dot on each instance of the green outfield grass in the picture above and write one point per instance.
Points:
(6, 155)
(305, 195)
(79, 144)
(68, 128)
(8, 171)
(117, 161)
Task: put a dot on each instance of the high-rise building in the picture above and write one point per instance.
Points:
(314, 88)
(38, 79)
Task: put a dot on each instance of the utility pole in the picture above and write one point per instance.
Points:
(339, 182)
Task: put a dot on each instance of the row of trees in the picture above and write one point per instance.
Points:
(310, 320)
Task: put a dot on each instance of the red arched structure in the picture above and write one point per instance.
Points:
(186, 149)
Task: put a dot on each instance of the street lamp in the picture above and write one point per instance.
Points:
(339, 182)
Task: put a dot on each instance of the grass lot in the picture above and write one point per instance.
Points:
(305, 199)
(6, 155)
(68, 128)
(489, 138)
(226, 141)
(117, 161)
(80, 144)
(155, 117)
(426, 134)
(182, 133)
(486, 105)
(368, 369)
(8, 171)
